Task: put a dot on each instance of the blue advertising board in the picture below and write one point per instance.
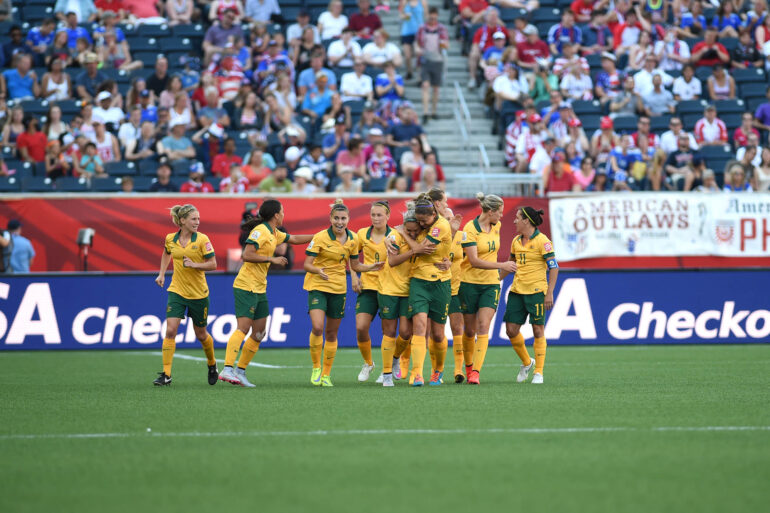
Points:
(98, 311)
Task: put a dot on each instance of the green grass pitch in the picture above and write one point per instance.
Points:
(588, 440)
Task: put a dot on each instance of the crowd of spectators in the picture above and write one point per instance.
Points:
(623, 95)
(203, 96)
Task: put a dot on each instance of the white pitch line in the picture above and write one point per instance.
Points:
(369, 432)
(201, 359)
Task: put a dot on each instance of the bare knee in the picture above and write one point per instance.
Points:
(538, 330)
(511, 330)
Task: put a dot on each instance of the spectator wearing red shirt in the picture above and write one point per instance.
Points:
(430, 160)
(741, 135)
(32, 142)
(558, 177)
(116, 6)
(222, 162)
(710, 52)
(472, 11)
(196, 184)
(531, 49)
(583, 10)
(482, 40)
(710, 130)
(364, 22)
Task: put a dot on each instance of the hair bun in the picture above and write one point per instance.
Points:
(480, 196)
(541, 212)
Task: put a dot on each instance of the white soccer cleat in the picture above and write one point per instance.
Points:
(397, 368)
(229, 376)
(241, 375)
(366, 370)
(537, 378)
(524, 371)
(379, 378)
(387, 380)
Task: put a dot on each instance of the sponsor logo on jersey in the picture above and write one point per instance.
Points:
(209, 247)
(548, 247)
(434, 232)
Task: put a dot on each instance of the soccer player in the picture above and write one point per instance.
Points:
(531, 294)
(371, 243)
(193, 255)
(250, 286)
(480, 287)
(326, 283)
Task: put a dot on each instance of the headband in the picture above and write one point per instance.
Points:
(530, 219)
(383, 205)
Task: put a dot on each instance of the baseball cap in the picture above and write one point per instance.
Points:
(559, 156)
(375, 131)
(90, 57)
(498, 35)
(292, 153)
(104, 95)
(522, 115)
(304, 172)
(179, 122)
(292, 132)
(217, 130)
(196, 167)
(564, 105)
(535, 118)
(610, 56)
(606, 123)
(530, 29)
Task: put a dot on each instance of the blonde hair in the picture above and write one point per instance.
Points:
(489, 202)
(180, 212)
(338, 205)
(409, 212)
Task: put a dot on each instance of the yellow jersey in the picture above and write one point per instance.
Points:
(440, 234)
(487, 246)
(329, 254)
(253, 276)
(530, 277)
(456, 256)
(373, 252)
(188, 282)
(394, 281)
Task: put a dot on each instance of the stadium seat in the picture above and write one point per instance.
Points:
(34, 14)
(689, 120)
(143, 183)
(703, 73)
(10, 184)
(732, 120)
(730, 106)
(626, 124)
(377, 184)
(754, 103)
(151, 31)
(147, 167)
(69, 107)
(72, 184)
(143, 44)
(582, 107)
(659, 124)
(590, 122)
(176, 45)
(35, 107)
(729, 42)
(148, 58)
(715, 152)
(111, 184)
(510, 14)
(752, 89)
(191, 30)
(121, 168)
(37, 184)
(749, 75)
(690, 107)
(545, 16)
(179, 168)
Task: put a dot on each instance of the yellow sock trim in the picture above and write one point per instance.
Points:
(316, 348)
(540, 345)
(388, 349)
(233, 346)
(482, 343)
(469, 346)
(518, 345)
(330, 350)
(441, 349)
(250, 348)
(401, 345)
(169, 345)
(366, 351)
(208, 349)
(457, 351)
(419, 348)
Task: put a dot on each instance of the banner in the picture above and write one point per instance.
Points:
(130, 229)
(661, 224)
(128, 311)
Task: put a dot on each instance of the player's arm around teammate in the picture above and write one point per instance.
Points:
(326, 283)
(480, 283)
(531, 294)
(250, 287)
(371, 246)
(193, 255)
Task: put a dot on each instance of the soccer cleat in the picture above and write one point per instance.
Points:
(537, 378)
(459, 378)
(387, 380)
(162, 380)
(418, 381)
(435, 378)
(326, 381)
(397, 368)
(213, 374)
(379, 378)
(473, 377)
(524, 371)
(366, 370)
(468, 370)
(228, 375)
(315, 377)
(241, 373)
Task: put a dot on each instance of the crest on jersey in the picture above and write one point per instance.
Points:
(310, 246)
(548, 247)
(254, 235)
(434, 232)
(209, 247)
(465, 236)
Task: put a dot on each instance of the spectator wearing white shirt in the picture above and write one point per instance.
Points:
(710, 130)
(672, 53)
(380, 51)
(643, 78)
(131, 130)
(295, 30)
(542, 156)
(356, 85)
(669, 141)
(331, 23)
(343, 51)
(261, 10)
(753, 141)
(106, 113)
(577, 85)
(688, 86)
(510, 86)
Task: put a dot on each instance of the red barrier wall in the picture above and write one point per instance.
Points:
(130, 230)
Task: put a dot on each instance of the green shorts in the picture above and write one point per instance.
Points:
(393, 307)
(431, 297)
(332, 304)
(521, 305)
(367, 302)
(474, 296)
(196, 309)
(250, 304)
(454, 305)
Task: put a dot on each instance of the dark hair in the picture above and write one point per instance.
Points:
(534, 216)
(268, 210)
(338, 205)
(424, 204)
(382, 203)
(434, 194)
(432, 9)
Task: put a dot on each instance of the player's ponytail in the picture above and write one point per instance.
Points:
(435, 194)
(337, 206)
(267, 211)
(489, 202)
(535, 216)
(180, 213)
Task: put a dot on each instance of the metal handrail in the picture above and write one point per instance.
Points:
(463, 105)
(486, 165)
